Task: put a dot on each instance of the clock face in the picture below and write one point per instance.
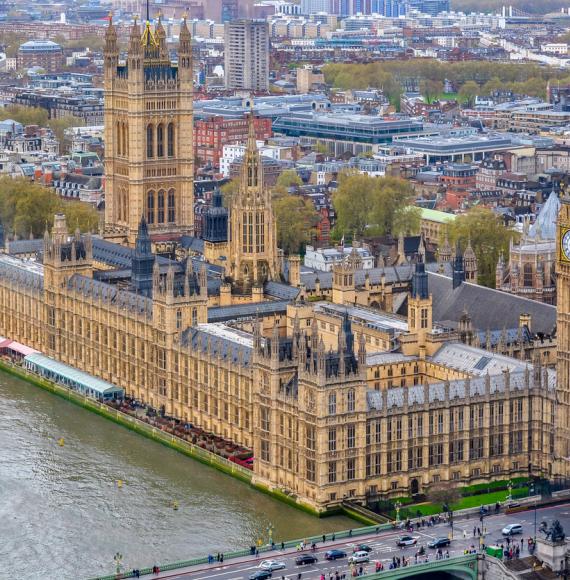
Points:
(566, 245)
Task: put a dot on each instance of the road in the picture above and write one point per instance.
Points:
(383, 548)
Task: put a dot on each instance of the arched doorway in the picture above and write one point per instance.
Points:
(414, 487)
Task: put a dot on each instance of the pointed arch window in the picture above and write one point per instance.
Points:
(150, 141)
(125, 139)
(160, 207)
(150, 207)
(171, 206)
(119, 139)
(160, 141)
(170, 140)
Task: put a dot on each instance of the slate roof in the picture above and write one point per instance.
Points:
(192, 243)
(121, 298)
(488, 308)
(475, 361)
(281, 291)
(222, 313)
(234, 348)
(28, 273)
(392, 274)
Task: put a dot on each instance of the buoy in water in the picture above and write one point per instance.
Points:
(119, 483)
(174, 505)
(61, 441)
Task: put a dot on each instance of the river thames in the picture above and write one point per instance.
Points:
(63, 516)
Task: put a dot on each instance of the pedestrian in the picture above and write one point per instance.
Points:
(333, 537)
(474, 530)
(522, 544)
(299, 576)
(218, 557)
(324, 538)
(221, 557)
(464, 533)
(350, 533)
(377, 529)
(282, 545)
(322, 577)
(256, 553)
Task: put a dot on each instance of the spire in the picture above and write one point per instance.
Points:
(135, 38)
(362, 350)
(444, 253)
(111, 47)
(252, 169)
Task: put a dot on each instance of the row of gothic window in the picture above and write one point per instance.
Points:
(160, 140)
(161, 207)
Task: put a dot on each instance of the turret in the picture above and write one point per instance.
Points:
(111, 51)
(444, 253)
(185, 53)
(470, 264)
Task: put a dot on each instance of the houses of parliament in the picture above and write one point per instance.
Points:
(339, 396)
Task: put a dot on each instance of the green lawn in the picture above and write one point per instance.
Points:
(486, 499)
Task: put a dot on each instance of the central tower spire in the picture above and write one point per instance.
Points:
(253, 236)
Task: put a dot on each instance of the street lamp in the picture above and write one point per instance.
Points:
(270, 533)
(510, 488)
(533, 492)
(118, 558)
(398, 505)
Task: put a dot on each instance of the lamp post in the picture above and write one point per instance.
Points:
(270, 533)
(398, 505)
(118, 558)
(510, 488)
(532, 491)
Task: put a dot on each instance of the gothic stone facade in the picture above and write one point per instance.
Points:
(319, 426)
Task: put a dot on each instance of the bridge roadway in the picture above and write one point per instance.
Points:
(383, 548)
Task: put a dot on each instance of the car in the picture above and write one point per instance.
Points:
(334, 554)
(304, 559)
(513, 504)
(512, 529)
(260, 575)
(272, 565)
(359, 557)
(439, 543)
(362, 548)
(406, 541)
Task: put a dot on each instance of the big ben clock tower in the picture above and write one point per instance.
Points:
(563, 336)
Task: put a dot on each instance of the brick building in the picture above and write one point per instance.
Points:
(210, 136)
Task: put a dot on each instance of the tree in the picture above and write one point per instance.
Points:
(468, 91)
(296, 219)
(228, 190)
(25, 115)
(444, 494)
(391, 208)
(26, 208)
(81, 215)
(489, 237)
(353, 202)
(288, 179)
(377, 205)
(407, 221)
(431, 89)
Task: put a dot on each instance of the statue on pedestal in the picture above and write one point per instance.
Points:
(555, 533)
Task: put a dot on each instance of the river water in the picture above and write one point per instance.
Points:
(63, 516)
